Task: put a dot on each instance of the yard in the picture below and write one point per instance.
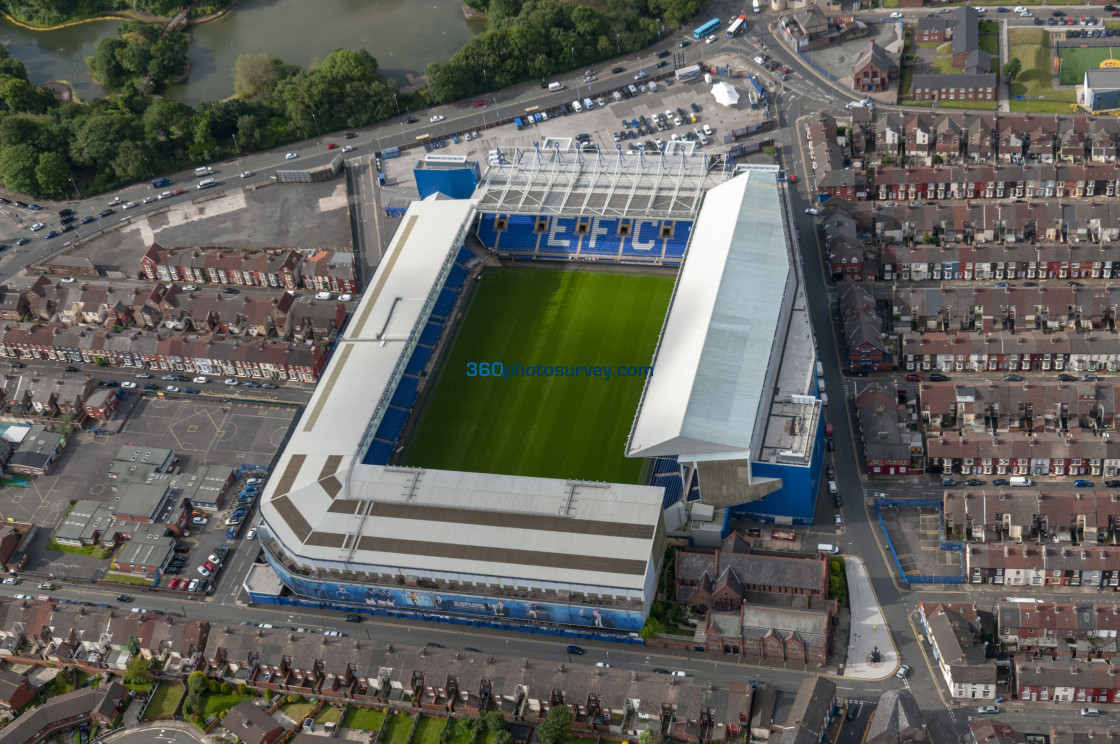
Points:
(122, 578)
(366, 719)
(328, 714)
(95, 550)
(212, 704)
(989, 42)
(1034, 87)
(64, 682)
(297, 711)
(396, 730)
(165, 700)
(461, 732)
(428, 730)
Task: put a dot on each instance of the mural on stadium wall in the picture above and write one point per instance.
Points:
(428, 602)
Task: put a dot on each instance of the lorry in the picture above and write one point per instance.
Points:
(1018, 481)
(161, 182)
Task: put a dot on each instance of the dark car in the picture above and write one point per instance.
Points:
(151, 387)
(695, 108)
(661, 64)
(231, 291)
(270, 386)
(353, 618)
(173, 569)
(191, 391)
(52, 234)
(1112, 484)
(23, 241)
(124, 598)
(837, 502)
(1066, 377)
(1074, 284)
(105, 213)
(659, 670)
(575, 650)
(1000, 482)
(411, 120)
(1013, 378)
(616, 70)
(938, 377)
(831, 445)
(66, 228)
(70, 369)
(831, 472)
(474, 650)
(182, 548)
(109, 383)
(972, 482)
(88, 219)
(349, 135)
(66, 220)
(432, 644)
(18, 365)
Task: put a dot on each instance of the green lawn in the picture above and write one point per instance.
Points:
(212, 705)
(94, 550)
(944, 65)
(63, 683)
(121, 578)
(165, 700)
(297, 711)
(461, 732)
(328, 714)
(989, 42)
(428, 730)
(1032, 48)
(1075, 61)
(366, 719)
(555, 427)
(396, 730)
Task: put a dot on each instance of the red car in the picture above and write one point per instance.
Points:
(180, 191)
(1116, 14)
(480, 102)
(914, 378)
(792, 178)
(174, 584)
(210, 566)
(332, 146)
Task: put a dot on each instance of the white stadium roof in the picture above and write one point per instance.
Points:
(711, 363)
(326, 508)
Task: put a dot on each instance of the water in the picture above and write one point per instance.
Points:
(402, 35)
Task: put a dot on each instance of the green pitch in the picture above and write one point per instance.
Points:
(1076, 61)
(554, 427)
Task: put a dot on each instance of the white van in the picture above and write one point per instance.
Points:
(824, 399)
(206, 183)
(203, 171)
(322, 295)
(827, 548)
(576, 107)
(820, 384)
(820, 370)
(632, 89)
(555, 86)
(1021, 482)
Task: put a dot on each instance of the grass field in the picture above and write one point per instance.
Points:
(397, 729)
(1036, 82)
(555, 427)
(428, 730)
(1076, 61)
(366, 719)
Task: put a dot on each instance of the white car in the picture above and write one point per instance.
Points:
(989, 709)
(189, 287)
(22, 596)
(11, 580)
(345, 297)
(839, 520)
(333, 633)
(251, 534)
(148, 200)
(198, 520)
(246, 174)
(1019, 8)
(1026, 14)
(129, 205)
(193, 585)
(437, 117)
(173, 388)
(204, 571)
(143, 376)
(165, 195)
(201, 380)
(813, 211)
(291, 155)
(129, 384)
(68, 280)
(37, 227)
(679, 673)
(707, 130)
(602, 665)
(710, 39)
(350, 148)
(254, 481)
(322, 295)
(231, 382)
(896, 14)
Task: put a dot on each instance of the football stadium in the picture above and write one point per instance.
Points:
(536, 385)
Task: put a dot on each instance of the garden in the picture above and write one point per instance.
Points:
(366, 719)
(165, 700)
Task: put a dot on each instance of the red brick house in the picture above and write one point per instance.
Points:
(1067, 681)
(15, 690)
(863, 329)
(252, 725)
(101, 404)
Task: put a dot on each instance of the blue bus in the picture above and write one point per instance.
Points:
(708, 28)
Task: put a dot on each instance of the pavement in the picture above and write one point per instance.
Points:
(869, 631)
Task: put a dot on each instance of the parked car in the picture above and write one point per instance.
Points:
(989, 709)
(914, 377)
(1000, 482)
(198, 520)
(1082, 483)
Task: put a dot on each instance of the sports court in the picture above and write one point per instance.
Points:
(543, 425)
(1076, 60)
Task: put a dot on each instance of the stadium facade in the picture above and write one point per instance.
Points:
(731, 406)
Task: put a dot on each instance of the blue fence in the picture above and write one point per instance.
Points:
(943, 544)
(817, 67)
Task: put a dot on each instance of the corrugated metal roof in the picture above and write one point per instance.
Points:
(711, 364)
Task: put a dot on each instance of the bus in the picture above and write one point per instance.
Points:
(737, 27)
(708, 28)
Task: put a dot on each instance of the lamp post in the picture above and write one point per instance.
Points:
(322, 154)
(76, 190)
(659, 29)
(618, 41)
(395, 103)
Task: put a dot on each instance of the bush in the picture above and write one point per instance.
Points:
(215, 686)
(226, 689)
(242, 689)
(652, 627)
(268, 694)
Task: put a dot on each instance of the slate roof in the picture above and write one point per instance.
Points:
(897, 719)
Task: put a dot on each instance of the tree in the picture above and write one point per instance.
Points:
(136, 673)
(269, 694)
(503, 737)
(104, 63)
(53, 173)
(557, 726)
(652, 627)
(17, 168)
(1012, 69)
(197, 686)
